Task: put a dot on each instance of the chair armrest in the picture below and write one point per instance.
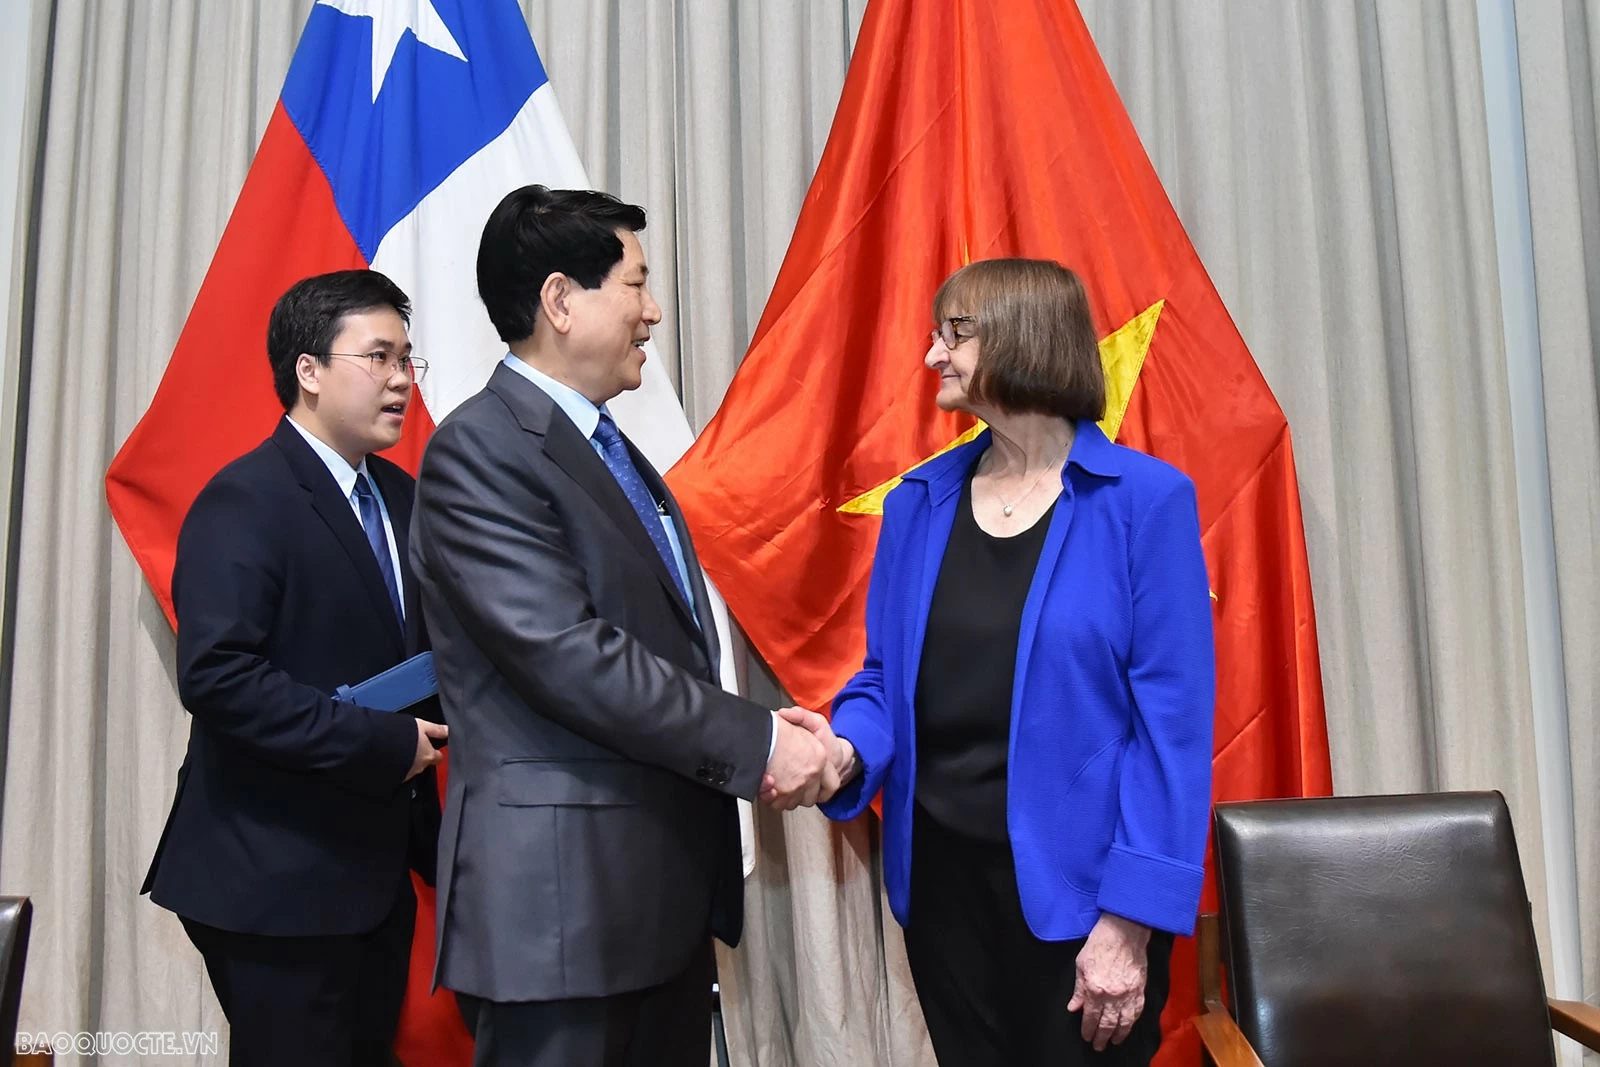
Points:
(1577, 1020)
(1208, 941)
(1224, 1043)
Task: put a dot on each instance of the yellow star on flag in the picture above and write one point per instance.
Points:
(1122, 354)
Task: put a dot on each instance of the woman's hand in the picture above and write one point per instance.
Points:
(845, 764)
(1112, 967)
(839, 766)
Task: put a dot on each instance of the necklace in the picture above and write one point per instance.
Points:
(1007, 509)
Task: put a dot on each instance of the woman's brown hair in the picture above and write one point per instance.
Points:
(1039, 350)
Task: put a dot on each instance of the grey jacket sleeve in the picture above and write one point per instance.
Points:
(486, 529)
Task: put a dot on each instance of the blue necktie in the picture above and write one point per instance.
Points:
(614, 450)
(372, 523)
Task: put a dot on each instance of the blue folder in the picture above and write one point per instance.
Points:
(395, 689)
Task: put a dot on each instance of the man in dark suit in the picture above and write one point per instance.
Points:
(590, 843)
(286, 850)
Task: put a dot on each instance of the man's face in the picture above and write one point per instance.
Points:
(610, 324)
(360, 396)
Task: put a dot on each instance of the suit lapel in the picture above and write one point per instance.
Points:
(573, 453)
(397, 489)
(691, 563)
(1055, 539)
(941, 520)
(336, 511)
(940, 479)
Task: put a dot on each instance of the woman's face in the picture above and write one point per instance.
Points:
(953, 356)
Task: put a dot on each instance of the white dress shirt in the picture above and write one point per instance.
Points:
(345, 475)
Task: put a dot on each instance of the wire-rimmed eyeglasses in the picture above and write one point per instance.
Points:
(385, 365)
(946, 330)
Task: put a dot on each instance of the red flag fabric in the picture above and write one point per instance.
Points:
(969, 130)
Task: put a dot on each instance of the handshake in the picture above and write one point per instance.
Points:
(808, 763)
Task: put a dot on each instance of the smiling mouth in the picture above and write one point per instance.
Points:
(395, 409)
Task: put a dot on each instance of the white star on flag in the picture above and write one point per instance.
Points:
(390, 20)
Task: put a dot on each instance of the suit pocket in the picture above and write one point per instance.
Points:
(1088, 812)
(535, 782)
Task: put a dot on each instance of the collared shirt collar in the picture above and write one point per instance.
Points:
(337, 465)
(944, 473)
(579, 408)
(1093, 452)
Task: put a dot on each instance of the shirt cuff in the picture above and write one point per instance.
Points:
(772, 745)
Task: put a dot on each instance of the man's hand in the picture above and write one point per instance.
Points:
(427, 755)
(835, 756)
(841, 753)
(799, 769)
(1112, 967)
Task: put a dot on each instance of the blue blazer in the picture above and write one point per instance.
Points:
(1109, 780)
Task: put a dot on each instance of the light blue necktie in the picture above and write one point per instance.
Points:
(372, 523)
(614, 450)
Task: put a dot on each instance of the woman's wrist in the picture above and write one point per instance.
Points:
(845, 762)
(1136, 932)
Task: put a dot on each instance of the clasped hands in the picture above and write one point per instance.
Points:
(808, 763)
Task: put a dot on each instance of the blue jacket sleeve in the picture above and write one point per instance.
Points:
(861, 710)
(1155, 868)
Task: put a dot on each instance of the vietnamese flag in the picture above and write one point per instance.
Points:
(969, 130)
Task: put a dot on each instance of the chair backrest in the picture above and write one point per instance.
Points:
(1380, 930)
(16, 919)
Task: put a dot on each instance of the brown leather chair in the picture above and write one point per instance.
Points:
(16, 919)
(1376, 931)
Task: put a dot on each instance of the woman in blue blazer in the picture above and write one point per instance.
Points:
(1036, 699)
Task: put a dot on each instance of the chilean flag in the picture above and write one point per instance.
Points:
(401, 125)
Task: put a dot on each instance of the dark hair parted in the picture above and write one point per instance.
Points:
(1039, 350)
(536, 232)
(310, 315)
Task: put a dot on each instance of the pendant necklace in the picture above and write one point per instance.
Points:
(1007, 509)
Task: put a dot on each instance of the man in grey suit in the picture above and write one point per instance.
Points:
(590, 846)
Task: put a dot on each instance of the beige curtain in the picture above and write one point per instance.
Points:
(1330, 163)
(1347, 220)
(1558, 44)
(152, 116)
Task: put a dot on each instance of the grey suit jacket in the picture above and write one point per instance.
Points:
(590, 842)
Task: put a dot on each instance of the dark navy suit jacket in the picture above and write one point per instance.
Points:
(291, 816)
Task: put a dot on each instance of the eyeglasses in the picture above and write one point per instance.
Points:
(947, 330)
(384, 365)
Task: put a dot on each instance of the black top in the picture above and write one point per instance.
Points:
(969, 658)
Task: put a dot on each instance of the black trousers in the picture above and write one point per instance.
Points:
(668, 1025)
(991, 992)
(311, 1001)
